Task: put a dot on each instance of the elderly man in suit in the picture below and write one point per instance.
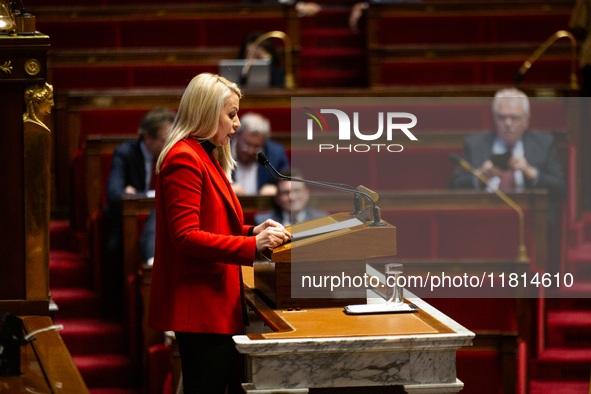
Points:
(291, 203)
(249, 177)
(513, 157)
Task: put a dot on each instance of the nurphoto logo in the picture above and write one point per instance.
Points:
(392, 120)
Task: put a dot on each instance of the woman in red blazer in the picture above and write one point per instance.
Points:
(201, 240)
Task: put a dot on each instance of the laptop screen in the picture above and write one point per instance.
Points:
(259, 76)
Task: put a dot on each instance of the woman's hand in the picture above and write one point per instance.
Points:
(270, 234)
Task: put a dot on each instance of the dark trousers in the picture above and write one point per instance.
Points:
(209, 362)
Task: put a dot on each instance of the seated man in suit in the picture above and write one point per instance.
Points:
(132, 172)
(513, 157)
(291, 203)
(251, 178)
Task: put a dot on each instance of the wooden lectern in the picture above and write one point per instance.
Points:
(337, 245)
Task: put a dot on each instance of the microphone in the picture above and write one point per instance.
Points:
(264, 161)
(522, 252)
(262, 158)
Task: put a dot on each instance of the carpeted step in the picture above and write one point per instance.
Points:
(562, 364)
(335, 17)
(581, 253)
(68, 269)
(553, 387)
(579, 262)
(59, 234)
(93, 336)
(106, 370)
(63, 237)
(569, 318)
(331, 38)
(76, 303)
(579, 289)
(323, 32)
(569, 328)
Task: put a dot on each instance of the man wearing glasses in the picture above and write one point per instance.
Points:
(512, 157)
(249, 177)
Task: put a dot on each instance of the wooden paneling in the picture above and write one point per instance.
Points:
(24, 234)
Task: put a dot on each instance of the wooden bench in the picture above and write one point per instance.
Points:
(404, 32)
(162, 25)
(110, 111)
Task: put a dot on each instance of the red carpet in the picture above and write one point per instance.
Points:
(98, 346)
(565, 363)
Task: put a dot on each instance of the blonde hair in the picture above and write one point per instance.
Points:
(198, 116)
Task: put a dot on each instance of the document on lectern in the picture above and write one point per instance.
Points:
(329, 228)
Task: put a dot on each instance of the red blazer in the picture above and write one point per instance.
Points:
(200, 244)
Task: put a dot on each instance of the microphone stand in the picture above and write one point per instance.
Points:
(522, 252)
(264, 161)
(289, 78)
(574, 85)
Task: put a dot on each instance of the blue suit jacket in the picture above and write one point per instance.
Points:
(277, 157)
(127, 168)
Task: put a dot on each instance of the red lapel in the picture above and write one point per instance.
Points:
(220, 181)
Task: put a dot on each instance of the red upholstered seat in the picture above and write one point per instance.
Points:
(467, 72)
(154, 33)
(474, 28)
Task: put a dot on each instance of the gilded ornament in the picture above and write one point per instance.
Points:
(38, 101)
(32, 67)
(6, 67)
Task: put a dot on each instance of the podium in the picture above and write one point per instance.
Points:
(337, 245)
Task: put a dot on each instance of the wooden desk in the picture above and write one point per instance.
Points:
(417, 351)
(536, 201)
(46, 364)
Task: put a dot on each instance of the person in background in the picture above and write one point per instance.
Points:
(291, 203)
(513, 157)
(265, 51)
(201, 240)
(251, 178)
(132, 173)
(304, 8)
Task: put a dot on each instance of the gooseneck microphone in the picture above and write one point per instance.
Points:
(522, 252)
(264, 161)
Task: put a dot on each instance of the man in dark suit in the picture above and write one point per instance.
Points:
(513, 157)
(291, 203)
(132, 172)
(250, 178)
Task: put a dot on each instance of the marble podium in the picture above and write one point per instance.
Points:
(324, 348)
